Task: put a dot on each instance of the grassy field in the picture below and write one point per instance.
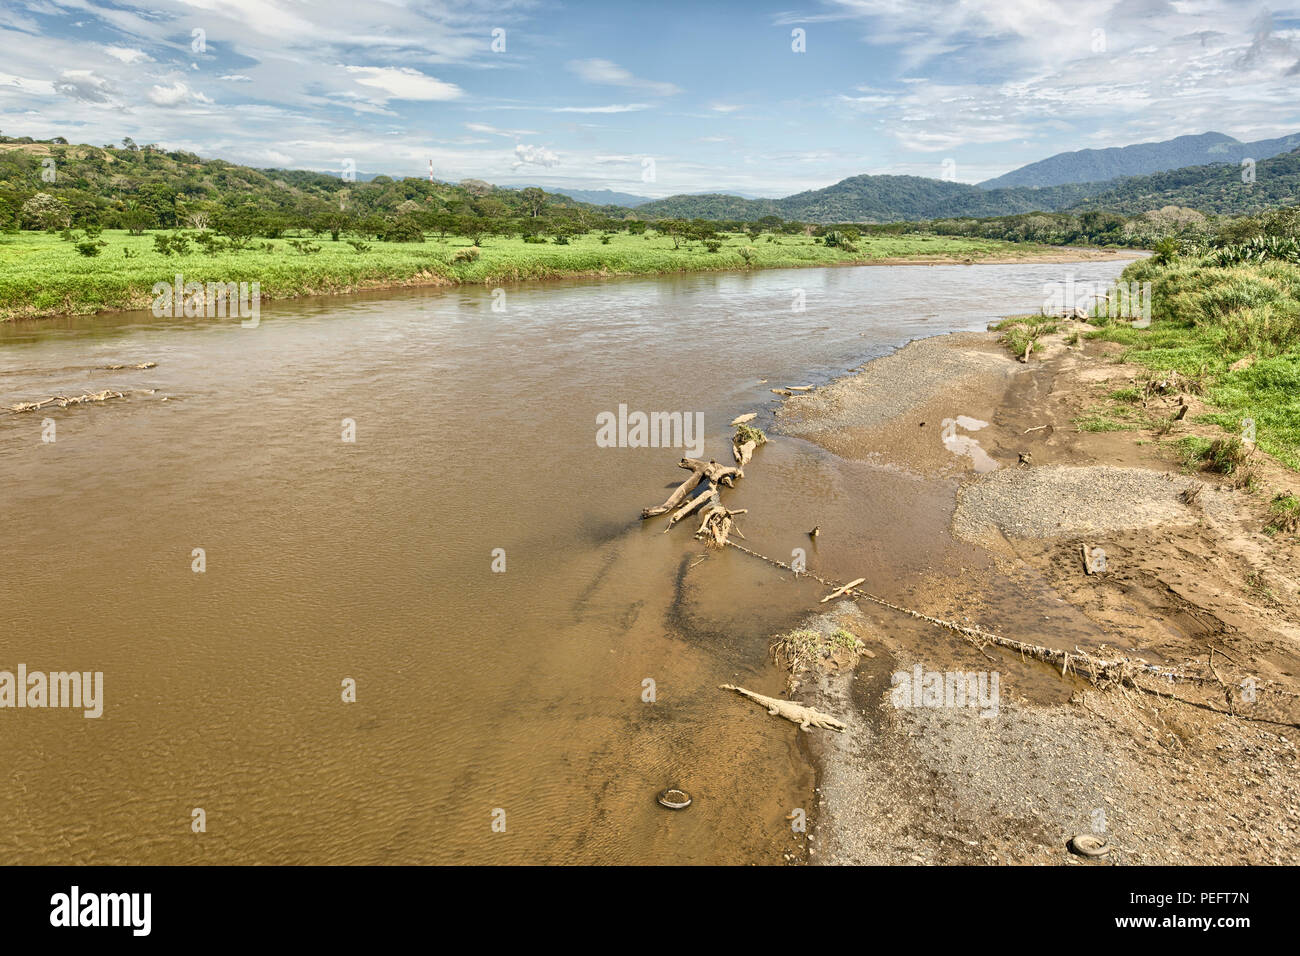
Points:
(1232, 333)
(41, 274)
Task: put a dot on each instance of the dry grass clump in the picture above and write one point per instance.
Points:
(1285, 512)
(803, 649)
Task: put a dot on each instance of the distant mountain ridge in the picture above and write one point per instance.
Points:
(1141, 159)
(601, 197)
(608, 197)
(1217, 187)
(872, 199)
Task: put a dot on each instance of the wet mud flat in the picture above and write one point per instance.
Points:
(1203, 772)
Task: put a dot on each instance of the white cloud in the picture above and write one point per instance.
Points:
(611, 74)
(27, 84)
(86, 86)
(178, 94)
(1046, 74)
(127, 54)
(404, 83)
(534, 156)
(614, 108)
(492, 130)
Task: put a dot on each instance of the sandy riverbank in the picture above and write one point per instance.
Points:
(1192, 585)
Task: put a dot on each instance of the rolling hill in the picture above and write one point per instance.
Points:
(1211, 188)
(1218, 189)
(1141, 159)
(103, 182)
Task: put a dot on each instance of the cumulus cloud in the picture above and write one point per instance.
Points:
(526, 155)
(991, 83)
(178, 94)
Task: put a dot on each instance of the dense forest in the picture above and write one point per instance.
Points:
(56, 186)
(138, 188)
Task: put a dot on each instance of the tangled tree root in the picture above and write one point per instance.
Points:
(717, 521)
(717, 525)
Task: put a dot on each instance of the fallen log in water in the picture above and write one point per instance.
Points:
(742, 453)
(709, 495)
(712, 471)
(717, 521)
(746, 439)
(717, 525)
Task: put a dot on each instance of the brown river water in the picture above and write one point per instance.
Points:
(476, 690)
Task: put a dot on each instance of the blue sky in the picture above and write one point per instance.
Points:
(647, 97)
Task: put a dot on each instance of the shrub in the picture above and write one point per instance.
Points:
(836, 239)
(1165, 251)
(402, 229)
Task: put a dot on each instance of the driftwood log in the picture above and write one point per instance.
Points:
(743, 452)
(717, 521)
(712, 471)
(717, 525)
(707, 497)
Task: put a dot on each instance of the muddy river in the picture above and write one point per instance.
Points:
(531, 662)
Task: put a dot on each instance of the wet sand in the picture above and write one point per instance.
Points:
(1163, 781)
